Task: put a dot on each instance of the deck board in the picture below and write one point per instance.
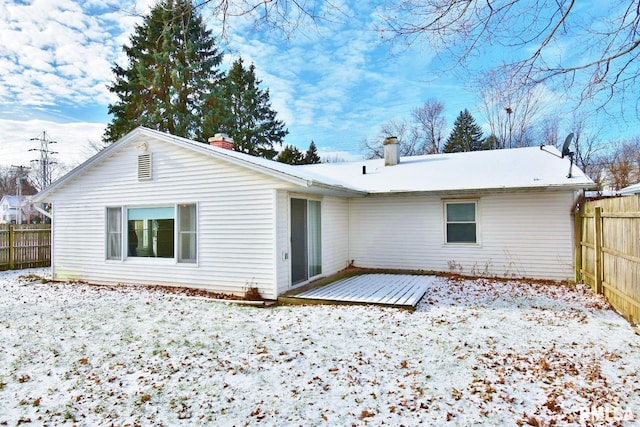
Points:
(386, 289)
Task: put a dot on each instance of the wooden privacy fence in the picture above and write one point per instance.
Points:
(608, 251)
(25, 246)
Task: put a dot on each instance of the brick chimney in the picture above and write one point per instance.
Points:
(221, 140)
(391, 151)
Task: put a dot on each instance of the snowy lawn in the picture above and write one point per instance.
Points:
(475, 352)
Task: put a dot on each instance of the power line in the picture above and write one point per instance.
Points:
(21, 173)
(45, 161)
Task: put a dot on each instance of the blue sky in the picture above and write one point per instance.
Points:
(335, 83)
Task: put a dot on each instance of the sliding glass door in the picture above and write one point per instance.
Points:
(306, 239)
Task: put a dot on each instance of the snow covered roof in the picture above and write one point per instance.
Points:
(283, 171)
(521, 168)
(518, 168)
(630, 190)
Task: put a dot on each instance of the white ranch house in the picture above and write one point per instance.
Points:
(159, 209)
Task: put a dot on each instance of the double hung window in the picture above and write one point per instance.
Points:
(114, 233)
(461, 224)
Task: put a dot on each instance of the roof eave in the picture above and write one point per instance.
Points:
(293, 179)
(337, 190)
(486, 190)
(141, 131)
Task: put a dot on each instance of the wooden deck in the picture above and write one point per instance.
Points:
(399, 290)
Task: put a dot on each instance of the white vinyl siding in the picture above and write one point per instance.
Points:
(394, 232)
(236, 242)
(335, 232)
(526, 234)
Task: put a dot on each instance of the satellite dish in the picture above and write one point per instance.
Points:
(567, 152)
(565, 146)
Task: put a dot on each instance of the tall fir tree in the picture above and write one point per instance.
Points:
(465, 136)
(312, 157)
(172, 67)
(491, 143)
(247, 114)
(291, 155)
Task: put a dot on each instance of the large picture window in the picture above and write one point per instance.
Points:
(150, 232)
(153, 232)
(461, 222)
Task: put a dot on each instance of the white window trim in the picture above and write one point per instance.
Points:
(196, 261)
(447, 202)
(106, 232)
(125, 241)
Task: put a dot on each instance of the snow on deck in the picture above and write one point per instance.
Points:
(384, 289)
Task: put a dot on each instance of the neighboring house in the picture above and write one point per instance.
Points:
(601, 194)
(11, 205)
(159, 209)
(630, 190)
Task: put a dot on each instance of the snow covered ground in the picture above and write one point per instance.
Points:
(476, 352)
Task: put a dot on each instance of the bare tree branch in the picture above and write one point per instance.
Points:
(431, 120)
(422, 134)
(550, 41)
(510, 108)
(285, 16)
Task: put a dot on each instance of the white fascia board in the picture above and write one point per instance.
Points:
(480, 191)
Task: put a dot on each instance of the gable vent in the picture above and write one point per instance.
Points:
(144, 167)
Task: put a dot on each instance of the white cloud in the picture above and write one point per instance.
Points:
(73, 141)
(333, 81)
(61, 52)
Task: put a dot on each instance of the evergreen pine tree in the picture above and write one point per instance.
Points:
(248, 118)
(291, 155)
(491, 143)
(172, 66)
(465, 136)
(312, 156)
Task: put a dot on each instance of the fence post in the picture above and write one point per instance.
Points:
(598, 249)
(12, 251)
(577, 231)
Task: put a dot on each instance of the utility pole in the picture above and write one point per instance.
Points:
(45, 160)
(509, 112)
(20, 173)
